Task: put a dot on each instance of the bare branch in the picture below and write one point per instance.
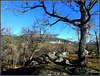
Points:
(54, 22)
(84, 2)
(79, 3)
(54, 14)
(88, 11)
(95, 13)
(28, 4)
(70, 6)
(31, 8)
(53, 8)
(22, 9)
(92, 5)
(91, 2)
(62, 18)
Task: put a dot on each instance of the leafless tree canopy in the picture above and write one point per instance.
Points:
(75, 6)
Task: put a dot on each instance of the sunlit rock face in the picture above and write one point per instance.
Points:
(50, 57)
(51, 63)
(59, 59)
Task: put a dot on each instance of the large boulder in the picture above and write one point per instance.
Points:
(52, 55)
(62, 54)
(60, 59)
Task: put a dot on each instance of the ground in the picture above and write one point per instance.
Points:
(52, 69)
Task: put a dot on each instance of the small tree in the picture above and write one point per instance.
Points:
(97, 42)
(34, 35)
(7, 46)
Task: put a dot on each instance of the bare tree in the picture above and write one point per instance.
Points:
(83, 8)
(6, 34)
(28, 35)
(34, 35)
(8, 48)
(97, 41)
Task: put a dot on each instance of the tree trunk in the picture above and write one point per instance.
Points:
(82, 44)
(97, 43)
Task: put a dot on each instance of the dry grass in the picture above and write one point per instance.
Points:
(18, 67)
(91, 62)
(11, 67)
(73, 56)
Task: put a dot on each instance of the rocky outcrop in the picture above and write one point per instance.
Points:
(50, 57)
(54, 63)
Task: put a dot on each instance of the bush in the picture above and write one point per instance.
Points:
(94, 51)
(91, 49)
(3, 65)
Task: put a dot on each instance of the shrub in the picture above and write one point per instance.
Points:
(3, 65)
(91, 50)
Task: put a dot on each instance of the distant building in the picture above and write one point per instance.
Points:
(59, 42)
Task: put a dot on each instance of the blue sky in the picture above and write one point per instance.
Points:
(27, 19)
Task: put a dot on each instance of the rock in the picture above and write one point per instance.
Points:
(92, 53)
(42, 59)
(62, 54)
(86, 52)
(60, 59)
(34, 63)
(67, 61)
(65, 53)
(45, 58)
(52, 55)
(78, 71)
(64, 73)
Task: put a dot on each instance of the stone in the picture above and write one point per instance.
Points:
(92, 53)
(45, 58)
(78, 71)
(34, 63)
(52, 55)
(64, 73)
(60, 59)
(86, 52)
(62, 54)
(67, 61)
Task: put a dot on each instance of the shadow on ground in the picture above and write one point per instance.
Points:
(45, 69)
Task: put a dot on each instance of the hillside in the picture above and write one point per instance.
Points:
(46, 37)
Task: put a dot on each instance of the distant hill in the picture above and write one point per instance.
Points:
(93, 42)
(46, 37)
